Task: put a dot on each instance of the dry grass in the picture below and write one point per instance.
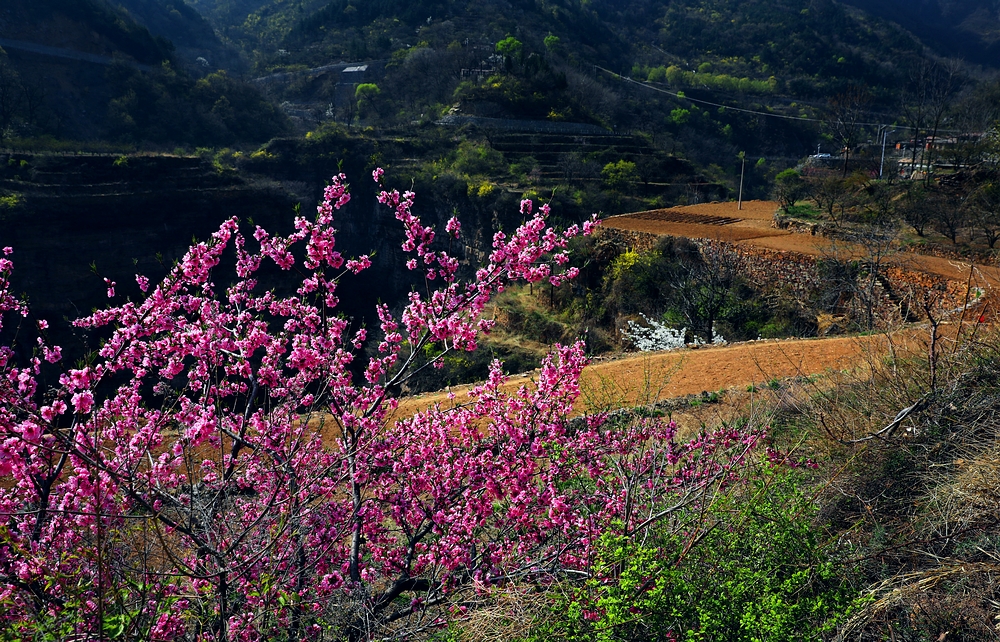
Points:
(918, 498)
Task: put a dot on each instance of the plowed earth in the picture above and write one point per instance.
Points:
(752, 226)
(648, 377)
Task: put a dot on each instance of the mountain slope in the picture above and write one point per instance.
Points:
(88, 70)
(969, 29)
(88, 26)
(192, 36)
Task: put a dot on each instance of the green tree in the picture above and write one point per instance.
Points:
(788, 188)
(511, 49)
(680, 116)
(479, 160)
(620, 176)
(366, 95)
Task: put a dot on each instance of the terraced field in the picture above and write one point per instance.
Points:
(650, 377)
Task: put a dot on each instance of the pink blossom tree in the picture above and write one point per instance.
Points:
(230, 466)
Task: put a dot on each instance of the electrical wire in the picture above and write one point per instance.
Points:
(741, 109)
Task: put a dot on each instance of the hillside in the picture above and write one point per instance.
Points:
(90, 71)
(968, 29)
(777, 64)
(192, 36)
(419, 61)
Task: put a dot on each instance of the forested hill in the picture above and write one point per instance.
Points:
(964, 28)
(191, 35)
(558, 59)
(87, 26)
(806, 42)
(142, 73)
(553, 60)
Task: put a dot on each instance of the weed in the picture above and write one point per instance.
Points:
(11, 201)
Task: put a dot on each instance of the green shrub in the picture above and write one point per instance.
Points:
(788, 188)
(11, 201)
(620, 176)
(479, 159)
(760, 571)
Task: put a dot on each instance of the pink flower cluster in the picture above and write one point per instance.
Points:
(228, 465)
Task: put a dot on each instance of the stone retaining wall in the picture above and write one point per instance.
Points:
(637, 241)
(901, 296)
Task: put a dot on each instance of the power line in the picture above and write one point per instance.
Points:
(708, 102)
(739, 109)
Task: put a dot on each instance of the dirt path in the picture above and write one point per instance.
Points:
(644, 378)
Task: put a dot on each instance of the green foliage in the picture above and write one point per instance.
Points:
(479, 159)
(680, 116)
(705, 78)
(758, 41)
(510, 47)
(788, 188)
(756, 569)
(535, 91)
(620, 176)
(366, 94)
(168, 106)
(804, 211)
(11, 201)
(366, 91)
(624, 263)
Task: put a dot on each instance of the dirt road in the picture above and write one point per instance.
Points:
(644, 378)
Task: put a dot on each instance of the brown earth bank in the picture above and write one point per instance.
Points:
(746, 377)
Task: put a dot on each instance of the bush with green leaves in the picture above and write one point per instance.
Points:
(788, 188)
(753, 565)
(479, 159)
(620, 176)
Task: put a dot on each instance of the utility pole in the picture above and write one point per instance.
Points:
(743, 166)
(881, 165)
